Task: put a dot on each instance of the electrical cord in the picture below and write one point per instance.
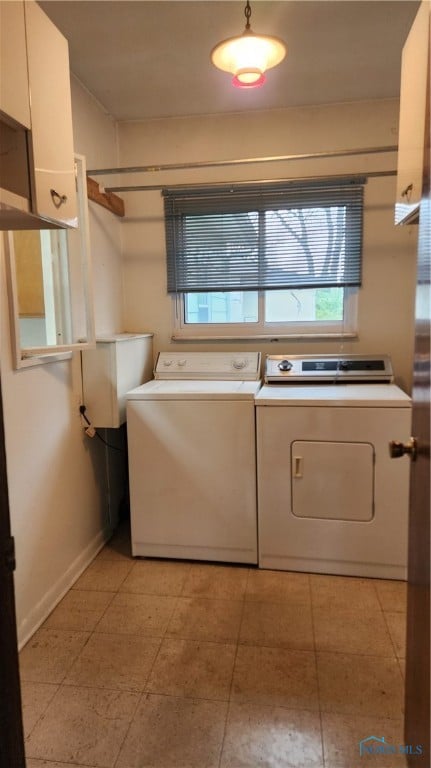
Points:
(90, 431)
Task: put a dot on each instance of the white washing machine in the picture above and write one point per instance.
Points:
(330, 498)
(192, 458)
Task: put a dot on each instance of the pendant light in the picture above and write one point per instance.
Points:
(249, 55)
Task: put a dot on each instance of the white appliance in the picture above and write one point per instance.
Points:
(192, 458)
(330, 499)
(118, 363)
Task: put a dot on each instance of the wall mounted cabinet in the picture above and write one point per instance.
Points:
(119, 363)
(412, 117)
(36, 135)
(14, 93)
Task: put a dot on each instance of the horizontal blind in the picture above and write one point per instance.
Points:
(264, 236)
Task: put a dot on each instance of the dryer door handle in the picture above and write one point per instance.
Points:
(297, 466)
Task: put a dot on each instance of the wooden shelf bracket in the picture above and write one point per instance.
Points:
(107, 199)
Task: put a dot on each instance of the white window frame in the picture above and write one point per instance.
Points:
(345, 328)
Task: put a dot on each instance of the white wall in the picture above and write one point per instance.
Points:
(386, 298)
(95, 137)
(56, 475)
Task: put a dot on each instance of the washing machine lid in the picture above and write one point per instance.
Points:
(195, 390)
(218, 366)
(351, 395)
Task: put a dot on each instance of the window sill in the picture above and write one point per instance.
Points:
(180, 337)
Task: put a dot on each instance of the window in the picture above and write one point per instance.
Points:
(267, 260)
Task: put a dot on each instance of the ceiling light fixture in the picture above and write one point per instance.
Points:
(249, 55)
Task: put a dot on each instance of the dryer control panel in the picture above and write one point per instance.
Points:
(328, 368)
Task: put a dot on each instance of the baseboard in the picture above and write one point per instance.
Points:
(41, 611)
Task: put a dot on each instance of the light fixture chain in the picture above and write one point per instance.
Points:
(247, 14)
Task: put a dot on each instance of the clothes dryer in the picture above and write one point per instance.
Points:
(330, 498)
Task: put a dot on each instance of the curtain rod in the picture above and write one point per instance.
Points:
(157, 187)
(243, 161)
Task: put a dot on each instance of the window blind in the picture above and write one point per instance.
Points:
(264, 236)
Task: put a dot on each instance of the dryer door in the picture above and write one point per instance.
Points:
(332, 480)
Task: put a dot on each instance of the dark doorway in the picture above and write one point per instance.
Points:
(417, 717)
(11, 732)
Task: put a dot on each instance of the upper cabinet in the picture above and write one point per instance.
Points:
(412, 117)
(38, 187)
(14, 93)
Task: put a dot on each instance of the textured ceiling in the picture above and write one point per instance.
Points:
(145, 59)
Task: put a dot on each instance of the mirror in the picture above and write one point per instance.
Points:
(50, 287)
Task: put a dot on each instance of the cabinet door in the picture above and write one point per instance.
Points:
(54, 191)
(412, 117)
(14, 100)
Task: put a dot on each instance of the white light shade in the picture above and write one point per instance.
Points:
(248, 56)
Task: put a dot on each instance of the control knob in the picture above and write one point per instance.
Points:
(284, 365)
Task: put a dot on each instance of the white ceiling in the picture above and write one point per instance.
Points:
(145, 59)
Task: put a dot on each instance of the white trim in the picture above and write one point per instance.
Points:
(50, 600)
(267, 337)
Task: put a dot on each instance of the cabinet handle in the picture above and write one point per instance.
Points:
(58, 199)
(406, 191)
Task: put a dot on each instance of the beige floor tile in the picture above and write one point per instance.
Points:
(275, 624)
(362, 762)
(83, 725)
(35, 763)
(347, 632)
(342, 735)
(392, 594)
(49, 654)
(104, 575)
(198, 618)
(193, 669)
(174, 733)
(360, 685)
(152, 577)
(271, 737)
(397, 628)
(278, 586)
(79, 609)
(35, 698)
(131, 614)
(275, 677)
(344, 593)
(216, 581)
(114, 661)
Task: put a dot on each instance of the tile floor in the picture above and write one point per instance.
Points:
(158, 664)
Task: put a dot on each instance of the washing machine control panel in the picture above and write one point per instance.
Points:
(309, 368)
(208, 365)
